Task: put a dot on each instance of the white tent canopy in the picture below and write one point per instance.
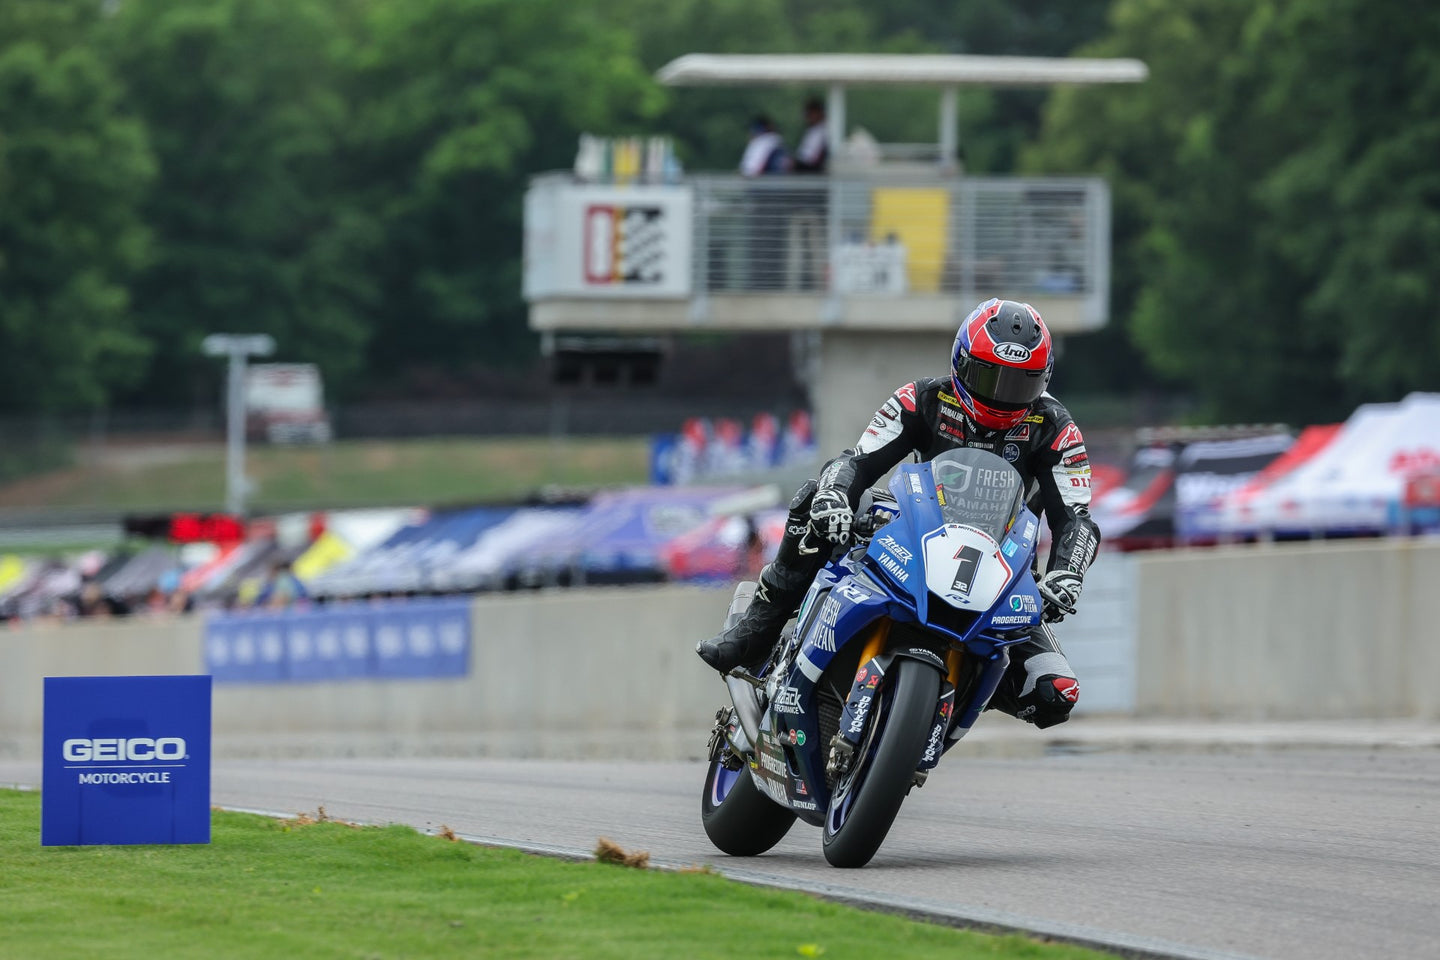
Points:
(1355, 482)
(504, 548)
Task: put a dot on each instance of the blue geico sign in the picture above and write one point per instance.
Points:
(127, 760)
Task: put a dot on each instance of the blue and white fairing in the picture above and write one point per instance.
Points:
(956, 560)
(964, 539)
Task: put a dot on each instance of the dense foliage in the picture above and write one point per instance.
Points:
(348, 174)
(1277, 221)
(74, 169)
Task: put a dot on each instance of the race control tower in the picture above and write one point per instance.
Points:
(877, 260)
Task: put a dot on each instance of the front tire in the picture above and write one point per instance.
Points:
(738, 818)
(868, 798)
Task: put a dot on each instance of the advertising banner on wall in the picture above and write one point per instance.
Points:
(407, 639)
(583, 240)
(127, 760)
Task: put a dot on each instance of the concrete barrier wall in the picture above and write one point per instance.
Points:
(1099, 640)
(571, 673)
(564, 673)
(1292, 631)
(1304, 631)
(106, 648)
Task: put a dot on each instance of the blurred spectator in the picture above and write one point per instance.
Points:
(726, 454)
(156, 602)
(806, 229)
(762, 447)
(181, 601)
(813, 152)
(797, 443)
(281, 588)
(93, 602)
(687, 460)
(765, 153)
(767, 211)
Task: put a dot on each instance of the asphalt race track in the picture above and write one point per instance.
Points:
(1314, 854)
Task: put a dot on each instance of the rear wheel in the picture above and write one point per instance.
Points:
(868, 796)
(738, 818)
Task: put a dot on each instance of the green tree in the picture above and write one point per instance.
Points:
(73, 171)
(458, 103)
(1354, 190)
(710, 123)
(996, 123)
(1276, 207)
(255, 228)
(1172, 194)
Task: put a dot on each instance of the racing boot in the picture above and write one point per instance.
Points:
(746, 642)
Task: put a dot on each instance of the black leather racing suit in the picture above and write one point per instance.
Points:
(925, 419)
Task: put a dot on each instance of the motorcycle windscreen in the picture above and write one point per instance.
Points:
(977, 489)
(980, 496)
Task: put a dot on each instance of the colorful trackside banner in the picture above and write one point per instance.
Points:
(127, 760)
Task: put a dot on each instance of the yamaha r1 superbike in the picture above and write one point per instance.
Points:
(898, 647)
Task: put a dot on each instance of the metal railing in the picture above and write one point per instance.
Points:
(841, 237)
(958, 237)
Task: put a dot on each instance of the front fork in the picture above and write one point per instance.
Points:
(861, 699)
(862, 692)
(857, 705)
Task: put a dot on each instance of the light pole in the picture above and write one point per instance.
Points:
(236, 346)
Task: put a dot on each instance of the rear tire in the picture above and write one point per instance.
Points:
(883, 774)
(745, 823)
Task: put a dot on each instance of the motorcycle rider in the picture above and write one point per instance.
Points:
(994, 399)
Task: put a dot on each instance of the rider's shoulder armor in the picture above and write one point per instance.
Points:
(1036, 443)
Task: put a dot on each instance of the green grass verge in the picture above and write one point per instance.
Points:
(266, 889)
(344, 473)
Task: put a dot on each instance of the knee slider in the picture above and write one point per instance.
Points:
(1050, 702)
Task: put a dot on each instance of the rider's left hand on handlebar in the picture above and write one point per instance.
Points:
(831, 516)
(1060, 589)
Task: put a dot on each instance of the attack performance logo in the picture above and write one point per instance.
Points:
(625, 244)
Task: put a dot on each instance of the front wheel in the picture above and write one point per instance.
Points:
(738, 818)
(867, 798)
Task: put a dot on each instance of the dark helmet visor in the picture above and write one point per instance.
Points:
(1000, 386)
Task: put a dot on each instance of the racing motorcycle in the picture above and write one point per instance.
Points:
(899, 645)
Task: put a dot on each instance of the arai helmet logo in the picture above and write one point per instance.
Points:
(1013, 352)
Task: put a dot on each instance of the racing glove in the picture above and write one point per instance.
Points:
(831, 516)
(1060, 589)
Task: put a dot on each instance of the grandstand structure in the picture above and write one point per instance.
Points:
(872, 264)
